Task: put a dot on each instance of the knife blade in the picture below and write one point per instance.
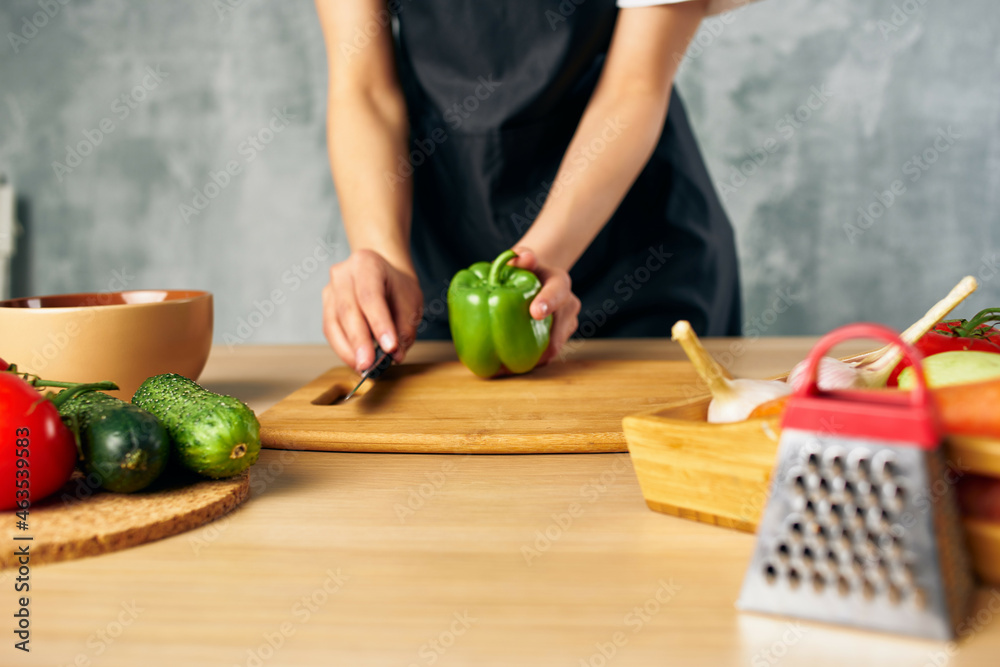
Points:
(382, 361)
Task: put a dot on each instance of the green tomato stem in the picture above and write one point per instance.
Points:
(111, 386)
(982, 317)
(73, 389)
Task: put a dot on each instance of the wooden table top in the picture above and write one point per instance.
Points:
(378, 559)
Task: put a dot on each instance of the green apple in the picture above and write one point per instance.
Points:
(955, 367)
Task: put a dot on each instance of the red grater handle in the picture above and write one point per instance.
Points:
(919, 397)
(887, 415)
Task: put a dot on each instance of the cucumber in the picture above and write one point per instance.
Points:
(123, 445)
(214, 435)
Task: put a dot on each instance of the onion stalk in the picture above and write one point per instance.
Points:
(873, 369)
(732, 399)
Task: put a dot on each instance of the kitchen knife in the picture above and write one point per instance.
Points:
(382, 361)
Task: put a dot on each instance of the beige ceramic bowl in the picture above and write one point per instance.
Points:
(120, 336)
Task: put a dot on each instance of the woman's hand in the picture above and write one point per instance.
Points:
(370, 298)
(556, 298)
(372, 294)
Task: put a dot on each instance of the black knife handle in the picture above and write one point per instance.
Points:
(382, 363)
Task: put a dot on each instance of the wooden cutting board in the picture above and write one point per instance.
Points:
(572, 406)
(76, 522)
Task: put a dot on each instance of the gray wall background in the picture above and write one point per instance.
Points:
(891, 77)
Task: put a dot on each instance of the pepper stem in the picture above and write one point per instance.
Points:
(497, 266)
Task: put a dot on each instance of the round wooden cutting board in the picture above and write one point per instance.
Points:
(78, 522)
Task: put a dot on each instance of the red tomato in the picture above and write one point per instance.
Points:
(945, 337)
(37, 451)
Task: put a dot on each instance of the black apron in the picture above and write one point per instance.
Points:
(495, 91)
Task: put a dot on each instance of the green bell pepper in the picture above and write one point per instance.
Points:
(489, 318)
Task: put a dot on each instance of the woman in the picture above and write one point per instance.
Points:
(546, 126)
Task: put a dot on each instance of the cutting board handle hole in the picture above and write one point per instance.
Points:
(336, 394)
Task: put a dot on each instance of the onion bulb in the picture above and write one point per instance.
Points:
(833, 374)
(732, 400)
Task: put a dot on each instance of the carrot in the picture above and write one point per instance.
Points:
(965, 409)
(970, 409)
(772, 408)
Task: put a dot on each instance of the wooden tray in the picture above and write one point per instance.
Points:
(572, 406)
(74, 522)
(719, 473)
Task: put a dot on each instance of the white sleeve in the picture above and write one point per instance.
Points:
(714, 6)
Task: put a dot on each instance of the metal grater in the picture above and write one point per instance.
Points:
(861, 527)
